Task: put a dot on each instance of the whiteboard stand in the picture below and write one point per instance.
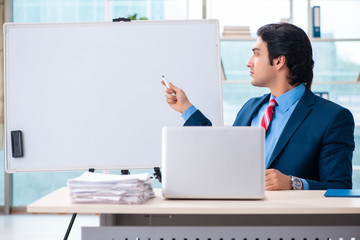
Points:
(94, 91)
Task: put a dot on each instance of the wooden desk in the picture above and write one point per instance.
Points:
(275, 202)
(279, 210)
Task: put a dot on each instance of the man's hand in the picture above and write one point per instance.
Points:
(275, 180)
(179, 102)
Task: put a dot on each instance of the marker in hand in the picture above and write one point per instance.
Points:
(167, 84)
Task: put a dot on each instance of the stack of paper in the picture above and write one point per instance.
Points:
(109, 188)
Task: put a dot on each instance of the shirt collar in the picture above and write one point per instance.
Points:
(286, 100)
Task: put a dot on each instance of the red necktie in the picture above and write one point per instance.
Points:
(268, 114)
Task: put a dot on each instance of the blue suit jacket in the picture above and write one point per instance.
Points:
(316, 144)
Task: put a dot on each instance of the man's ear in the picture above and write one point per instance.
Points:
(280, 61)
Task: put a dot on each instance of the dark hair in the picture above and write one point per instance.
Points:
(285, 39)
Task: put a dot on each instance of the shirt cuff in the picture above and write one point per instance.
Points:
(305, 184)
(188, 112)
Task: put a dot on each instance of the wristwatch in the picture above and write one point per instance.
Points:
(296, 183)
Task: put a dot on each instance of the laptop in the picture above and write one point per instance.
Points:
(213, 162)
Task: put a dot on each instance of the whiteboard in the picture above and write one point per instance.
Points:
(88, 95)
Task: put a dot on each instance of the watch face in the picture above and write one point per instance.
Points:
(297, 183)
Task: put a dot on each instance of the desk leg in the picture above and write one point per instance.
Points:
(70, 226)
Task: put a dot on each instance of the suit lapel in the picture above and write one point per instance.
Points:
(255, 109)
(300, 113)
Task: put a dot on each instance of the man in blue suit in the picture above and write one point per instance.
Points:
(309, 140)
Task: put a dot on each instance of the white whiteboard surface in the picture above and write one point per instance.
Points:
(88, 95)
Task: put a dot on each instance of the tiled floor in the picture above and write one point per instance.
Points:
(43, 226)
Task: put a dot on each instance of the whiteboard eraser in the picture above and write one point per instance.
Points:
(16, 144)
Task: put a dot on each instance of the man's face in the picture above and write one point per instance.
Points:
(261, 72)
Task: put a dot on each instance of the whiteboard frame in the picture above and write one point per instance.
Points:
(9, 158)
